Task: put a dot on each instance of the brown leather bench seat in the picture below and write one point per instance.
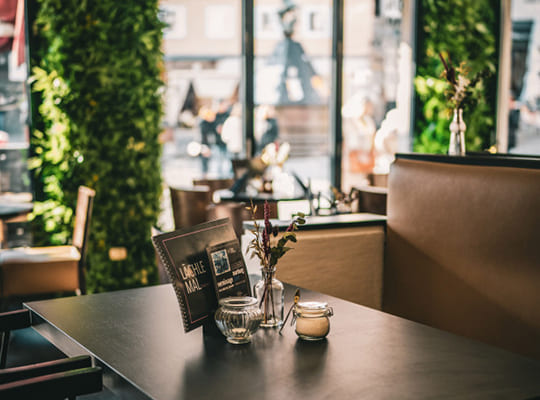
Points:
(463, 248)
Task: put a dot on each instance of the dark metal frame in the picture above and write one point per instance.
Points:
(484, 159)
(337, 94)
(247, 76)
(9, 321)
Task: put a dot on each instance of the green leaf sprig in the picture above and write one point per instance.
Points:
(260, 246)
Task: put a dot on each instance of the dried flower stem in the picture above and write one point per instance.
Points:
(260, 246)
(462, 86)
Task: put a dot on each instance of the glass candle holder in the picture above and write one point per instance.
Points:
(312, 320)
(238, 318)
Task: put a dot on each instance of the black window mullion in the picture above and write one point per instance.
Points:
(337, 93)
(248, 76)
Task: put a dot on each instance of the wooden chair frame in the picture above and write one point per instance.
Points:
(67, 377)
(19, 265)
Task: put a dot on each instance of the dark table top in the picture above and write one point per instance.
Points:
(228, 195)
(137, 336)
(328, 221)
(242, 191)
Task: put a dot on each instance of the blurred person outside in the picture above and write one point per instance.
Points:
(207, 118)
(231, 132)
(267, 129)
(222, 113)
(387, 141)
(4, 137)
(299, 81)
(213, 149)
(513, 120)
(359, 134)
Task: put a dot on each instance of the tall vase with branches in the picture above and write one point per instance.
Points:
(269, 291)
(460, 92)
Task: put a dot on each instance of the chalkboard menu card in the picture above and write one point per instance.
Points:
(185, 255)
(229, 269)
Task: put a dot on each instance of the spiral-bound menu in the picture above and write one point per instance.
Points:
(183, 253)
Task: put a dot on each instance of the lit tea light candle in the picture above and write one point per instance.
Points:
(312, 320)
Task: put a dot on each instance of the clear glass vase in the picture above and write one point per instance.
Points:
(269, 293)
(457, 134)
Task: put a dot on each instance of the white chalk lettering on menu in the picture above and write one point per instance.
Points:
(190, 272)
(225, 282)
(192, 285)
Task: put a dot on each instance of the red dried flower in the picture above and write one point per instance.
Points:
(260, 245)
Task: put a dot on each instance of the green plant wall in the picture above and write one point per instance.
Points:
(97, 111)
(468, 30)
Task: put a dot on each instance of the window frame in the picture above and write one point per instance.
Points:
(247, 84)
(336, 99)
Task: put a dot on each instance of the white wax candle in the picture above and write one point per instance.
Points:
(315, 327)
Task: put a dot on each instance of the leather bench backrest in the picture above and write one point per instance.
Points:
(463, 250)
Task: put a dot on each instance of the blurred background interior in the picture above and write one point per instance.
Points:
(191, 109)
(311, 110)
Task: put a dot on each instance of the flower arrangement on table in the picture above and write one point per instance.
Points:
(274, 156)
(343, 202)
(265, 173)
(269, 291)
(461, 93)
(463, 88)
(275, 153)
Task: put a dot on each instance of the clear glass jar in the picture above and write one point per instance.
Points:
(312, 319)
(270, 295)
(238, 318)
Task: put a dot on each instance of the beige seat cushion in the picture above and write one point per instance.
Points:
(37, 270)
(342, 262)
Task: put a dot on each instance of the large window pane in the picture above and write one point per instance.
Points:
(13, 126)
(15, 184)
(375, 107)
(203, 112)
(524, 113)
(292, 84)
